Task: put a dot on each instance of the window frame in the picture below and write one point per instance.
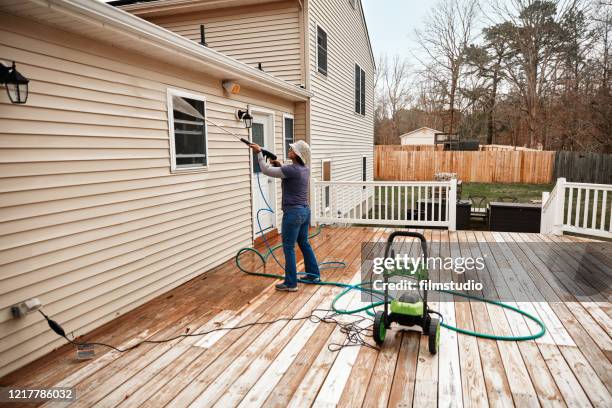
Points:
(362, 99)
(326, 73)
(170, 92)
(292, 117)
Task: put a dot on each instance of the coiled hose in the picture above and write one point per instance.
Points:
(369, 309)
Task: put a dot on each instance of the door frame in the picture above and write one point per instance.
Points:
(271, 121)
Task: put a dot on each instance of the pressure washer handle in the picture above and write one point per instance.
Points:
(268, 155)
(406, 234)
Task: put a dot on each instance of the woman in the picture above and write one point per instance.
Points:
(296, 212)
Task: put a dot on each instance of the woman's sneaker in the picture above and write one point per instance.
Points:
(285, 288)
(311, 279)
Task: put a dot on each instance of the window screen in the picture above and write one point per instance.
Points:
(189, 132)
(359, 90)
(289, 138)
(321, 51)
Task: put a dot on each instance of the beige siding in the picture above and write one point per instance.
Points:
(420, 137)
(269, 34)
(336, 131)
(300, 121)
(92, 221)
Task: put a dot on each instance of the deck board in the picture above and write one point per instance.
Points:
(288, 363)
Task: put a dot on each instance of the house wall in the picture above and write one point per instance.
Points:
(92, 221)
(268, 33)
(336, 131)
(420, 137)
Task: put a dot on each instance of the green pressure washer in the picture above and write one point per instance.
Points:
(410, 309)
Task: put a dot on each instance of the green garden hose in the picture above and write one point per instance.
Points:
(347, 288)
(360, 286)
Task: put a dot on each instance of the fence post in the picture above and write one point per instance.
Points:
(451, 202)
(559, 206)
(313, 202)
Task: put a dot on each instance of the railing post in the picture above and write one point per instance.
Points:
(451, 203)
(559, 206)
(544, 227)
(313, 203)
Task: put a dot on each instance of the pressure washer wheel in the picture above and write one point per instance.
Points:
(380, 327)
(433, 334)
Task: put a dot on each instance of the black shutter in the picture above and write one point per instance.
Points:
(357, 89)
(364, 171)
(362, 92)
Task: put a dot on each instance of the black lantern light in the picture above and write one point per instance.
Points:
(16, 84)
(246, 117)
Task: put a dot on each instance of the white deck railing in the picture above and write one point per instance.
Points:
(402, 203)
(581, 208)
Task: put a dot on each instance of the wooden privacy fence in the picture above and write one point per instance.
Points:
(520, 166)
(583, 167)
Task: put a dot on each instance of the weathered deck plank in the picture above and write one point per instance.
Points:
(289, 364)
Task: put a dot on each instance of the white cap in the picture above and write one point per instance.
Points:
(302, 150)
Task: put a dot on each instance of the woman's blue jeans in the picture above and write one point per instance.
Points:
(296, 220)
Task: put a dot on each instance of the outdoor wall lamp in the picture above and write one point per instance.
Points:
(246, 117)
(16, 84)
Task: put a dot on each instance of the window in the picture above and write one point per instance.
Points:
(257, 136)
(288, 135)
(326, 174)
(187, 129)
(359, 90)
(321, 51)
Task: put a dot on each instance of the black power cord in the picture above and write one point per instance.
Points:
(355, 333)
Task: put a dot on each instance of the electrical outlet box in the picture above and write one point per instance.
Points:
(85, 351)
(25, 307)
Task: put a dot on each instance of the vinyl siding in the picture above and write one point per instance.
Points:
(336, 131)
(269, 34)
(92, 221)
(421, 137)
(300, 121)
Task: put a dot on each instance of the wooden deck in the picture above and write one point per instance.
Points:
(289, 363)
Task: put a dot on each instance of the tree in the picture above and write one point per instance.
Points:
(447, 33)
(535, 35)
(394, 95)
(486, 60)
(538, 75)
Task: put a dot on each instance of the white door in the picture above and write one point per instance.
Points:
(262, 133)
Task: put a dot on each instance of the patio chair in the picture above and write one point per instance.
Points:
(480, 208)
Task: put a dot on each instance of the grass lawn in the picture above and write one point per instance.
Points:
(523, 192)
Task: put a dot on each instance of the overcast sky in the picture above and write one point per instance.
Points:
(391, 24)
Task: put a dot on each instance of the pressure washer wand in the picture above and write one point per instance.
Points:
(267, 154)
